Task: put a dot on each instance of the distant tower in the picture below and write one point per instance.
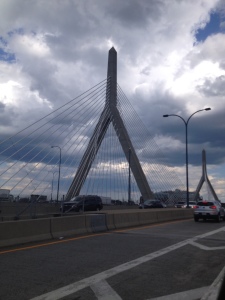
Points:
(205, 179)
(110, 114)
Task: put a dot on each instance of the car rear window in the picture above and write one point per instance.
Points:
(205, 203)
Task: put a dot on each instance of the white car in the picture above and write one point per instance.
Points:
(209, 210)
(181, 204)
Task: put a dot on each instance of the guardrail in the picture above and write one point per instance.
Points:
(23, 231)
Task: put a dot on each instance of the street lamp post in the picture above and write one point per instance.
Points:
(53, 174)
(186, 133)
(59, 170)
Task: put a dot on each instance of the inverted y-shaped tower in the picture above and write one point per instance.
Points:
(110, 114)
(205, 179)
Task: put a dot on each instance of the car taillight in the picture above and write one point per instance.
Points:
(196, 206)
(213, 207)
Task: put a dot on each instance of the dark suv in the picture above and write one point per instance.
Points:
(152, 204)
(83, 203)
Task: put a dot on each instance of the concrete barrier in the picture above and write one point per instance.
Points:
(96, 223)
(110, 223)
(147, 217)
(69, 225)
(164, 215)
(123, 220)
(17, 232)
(177, 214)
(23, 231)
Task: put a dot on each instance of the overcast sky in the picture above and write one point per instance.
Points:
(170, 61)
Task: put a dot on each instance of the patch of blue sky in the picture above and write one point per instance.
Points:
(6, 56)
(16, 31)
(214, 26)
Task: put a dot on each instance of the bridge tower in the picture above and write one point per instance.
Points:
(110, 114)
(205, 179)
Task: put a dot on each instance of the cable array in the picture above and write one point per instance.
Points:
(30, 166)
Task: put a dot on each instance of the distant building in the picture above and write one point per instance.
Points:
(5, 195)
(174, 196)
(38, 198)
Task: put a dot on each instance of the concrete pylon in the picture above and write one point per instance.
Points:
(205, 179)
(110, 114)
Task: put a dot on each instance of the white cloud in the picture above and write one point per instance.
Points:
(30, 45)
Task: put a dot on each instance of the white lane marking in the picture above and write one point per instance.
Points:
(187, 295)
(103, 291)
(77, 286)
(213, 291)
(203, 247)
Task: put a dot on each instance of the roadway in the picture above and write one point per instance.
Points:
(140, 263)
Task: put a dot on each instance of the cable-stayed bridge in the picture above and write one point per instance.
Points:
(94, 144)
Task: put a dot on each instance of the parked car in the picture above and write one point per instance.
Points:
(82, 203)
(209, 210)
(152, 204)
(181, 204)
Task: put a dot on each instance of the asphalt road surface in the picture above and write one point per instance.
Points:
(174, 260)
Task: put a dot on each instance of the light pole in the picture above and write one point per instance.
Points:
(59, 170)
(53, 174)
(186, 133)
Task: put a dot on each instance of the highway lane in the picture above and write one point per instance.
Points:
(140, 263)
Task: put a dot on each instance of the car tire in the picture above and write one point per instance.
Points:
(196, 219)
(218, 218)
